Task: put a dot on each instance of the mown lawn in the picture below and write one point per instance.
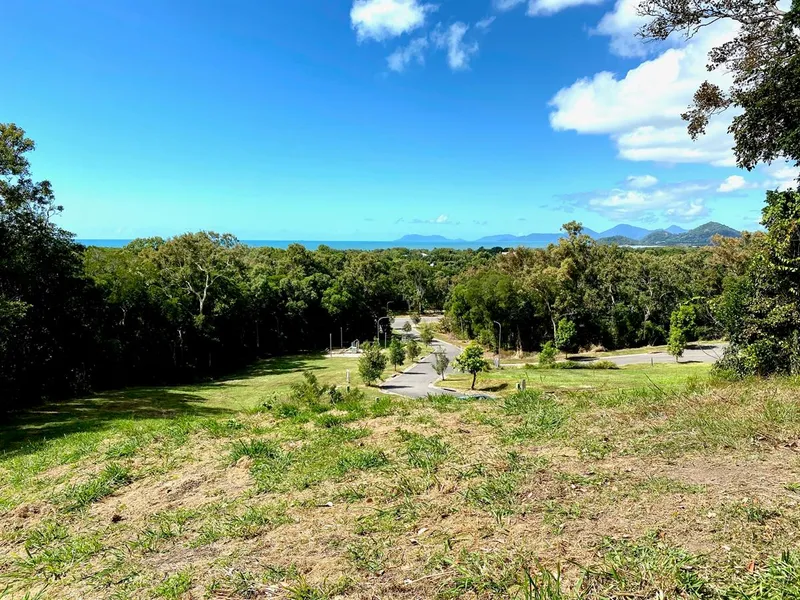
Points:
(639, 483)
(505, 380)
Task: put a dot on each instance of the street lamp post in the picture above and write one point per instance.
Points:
(379, 328)
(499, 337)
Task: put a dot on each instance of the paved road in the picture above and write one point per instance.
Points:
(708, 353)
(416, 381)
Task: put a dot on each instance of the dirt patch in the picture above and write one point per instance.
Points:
(191, 485)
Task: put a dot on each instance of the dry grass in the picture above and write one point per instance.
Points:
(686, 489)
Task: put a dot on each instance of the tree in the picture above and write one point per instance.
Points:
(426, 333)
(397, 353)
(547, 356)
(763, 61)
(413, 350)
(761, 310)
(440, 364)
(416, 318)
(566, 335)
(677, 334)
(49, 312)
(371, 364)
(471, 361)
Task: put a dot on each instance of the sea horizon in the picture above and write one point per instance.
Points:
(343, 244)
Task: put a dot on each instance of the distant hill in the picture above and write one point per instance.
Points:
(699, 236)
(622, 235)
(628, 231)
(619, 240)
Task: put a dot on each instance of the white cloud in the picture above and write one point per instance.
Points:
(402, 57)
(383, 19)
(640, 182)
(504, 5)
(641, 111)
(781, 176)
(485, 23)
(678, 202)
(732, 183)
(541, 7)
(459, 52)
(621, 25)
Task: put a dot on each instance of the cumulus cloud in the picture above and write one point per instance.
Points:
(383, 19)
(641, 110)
(402, 57)
(684, 202)
(781, 176)
(732, 184)
(459, 52)
(641, 182)
(621, 25)
(645, 199)
(542, 7)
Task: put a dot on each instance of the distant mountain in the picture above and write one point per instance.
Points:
(629, 231)
(622, 235)
(619, 240)
(699, 236)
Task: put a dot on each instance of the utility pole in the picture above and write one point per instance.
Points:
(499, 337)
(331, 345)
(341, 337)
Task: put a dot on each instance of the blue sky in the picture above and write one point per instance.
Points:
(364, 119)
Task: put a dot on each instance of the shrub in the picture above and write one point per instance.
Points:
(547, 356)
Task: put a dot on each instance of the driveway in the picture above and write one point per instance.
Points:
(417, 380)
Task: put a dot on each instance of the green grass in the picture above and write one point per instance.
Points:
(597, 381)
(247, 488)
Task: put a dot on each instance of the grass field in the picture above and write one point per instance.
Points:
(643, 482)
(589, 380)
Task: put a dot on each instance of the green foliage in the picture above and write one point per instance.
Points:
(566, 336)
(413, 350)
(426, 333)
(761, 310)
(407, 327)
(471, 361)
(440, 363)
(681, 329)
(397, 353)
(547, 355)
(595, 365)
(372, 363)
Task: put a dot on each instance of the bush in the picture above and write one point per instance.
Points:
(597, 365)
(547, 356)
(371, 364)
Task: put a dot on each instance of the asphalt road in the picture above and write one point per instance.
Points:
(708, 353)
(416, 381)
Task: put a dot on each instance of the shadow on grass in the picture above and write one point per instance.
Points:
(22, 432)
(26, 430)
(276, 366)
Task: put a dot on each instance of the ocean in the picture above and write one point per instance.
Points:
(344, 245)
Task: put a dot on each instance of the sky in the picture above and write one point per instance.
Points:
(366, 119)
